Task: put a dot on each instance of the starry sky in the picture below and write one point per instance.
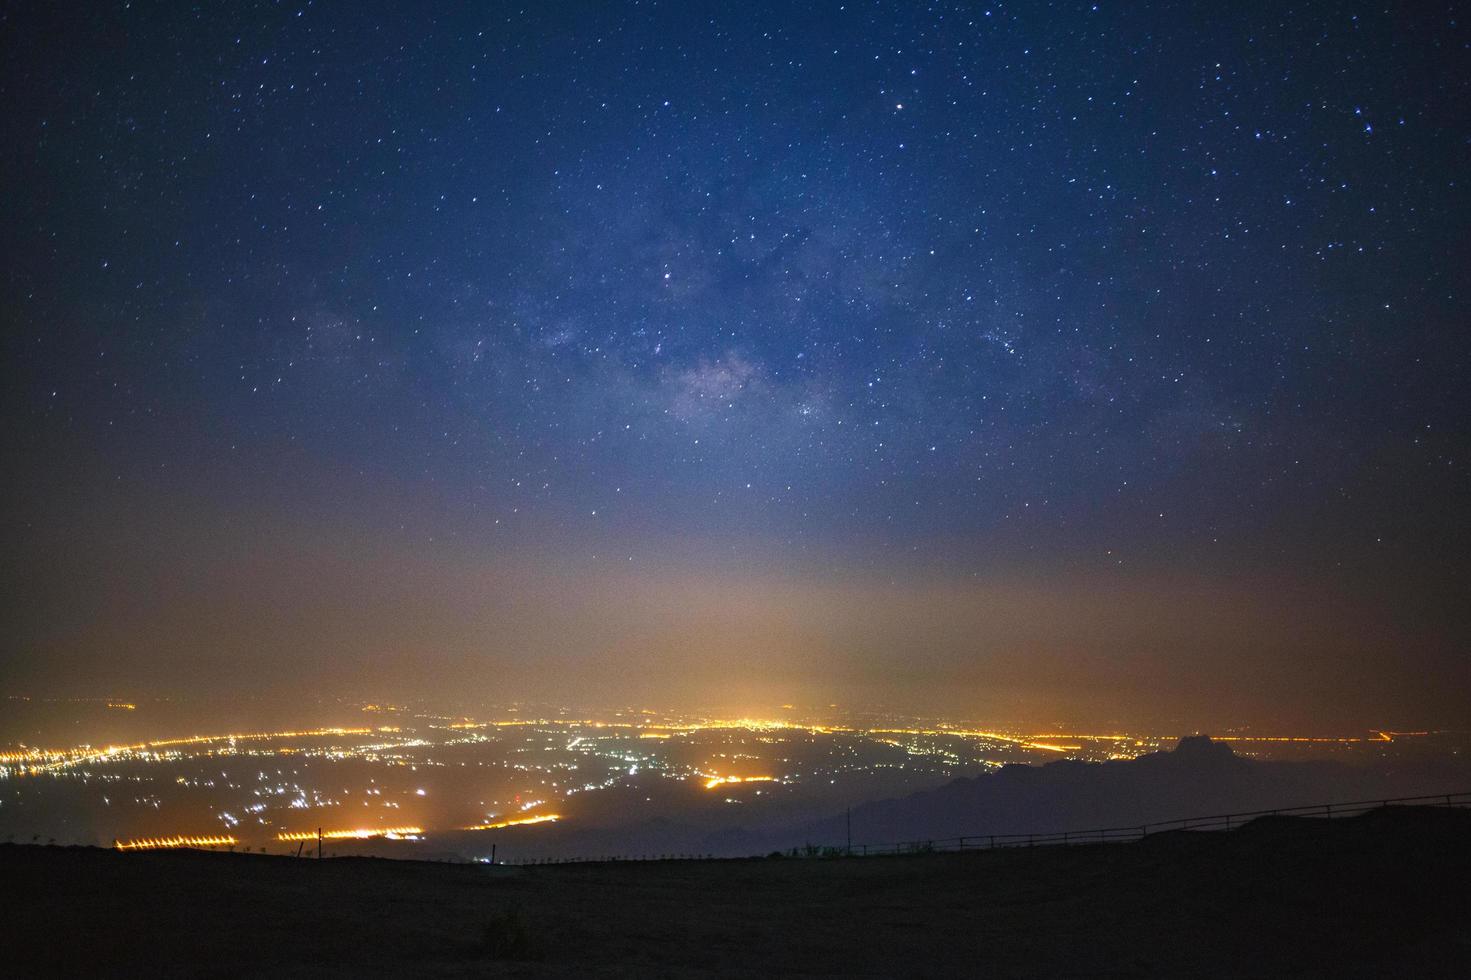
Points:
(1028, 361)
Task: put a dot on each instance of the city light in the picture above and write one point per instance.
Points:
(410, 780)
(521, 822)
(715, 781)
(165, 843)
(360, 833)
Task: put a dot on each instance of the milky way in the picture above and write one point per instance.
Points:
(1068, 304)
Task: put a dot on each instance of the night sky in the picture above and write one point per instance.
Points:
(1030, 362)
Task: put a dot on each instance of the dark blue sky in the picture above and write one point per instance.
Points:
(1145, 322)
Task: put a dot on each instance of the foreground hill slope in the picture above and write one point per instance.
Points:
(1383, 894)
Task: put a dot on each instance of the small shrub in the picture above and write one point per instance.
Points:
(506, 936)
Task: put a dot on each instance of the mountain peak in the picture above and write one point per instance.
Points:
(1202, 747)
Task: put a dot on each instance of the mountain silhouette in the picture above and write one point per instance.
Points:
(1201, 776)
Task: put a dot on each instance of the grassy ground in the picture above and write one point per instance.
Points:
(1382, 894)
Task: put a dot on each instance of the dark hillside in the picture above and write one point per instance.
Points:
(1382, 894)
(1200, 776)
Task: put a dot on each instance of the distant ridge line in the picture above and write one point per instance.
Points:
(1222, 821)
(1101, 835)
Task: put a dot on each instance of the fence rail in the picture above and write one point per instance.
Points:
(1101, 835)
(1108, 835)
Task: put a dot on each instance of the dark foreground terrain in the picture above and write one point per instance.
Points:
(1386, 893)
